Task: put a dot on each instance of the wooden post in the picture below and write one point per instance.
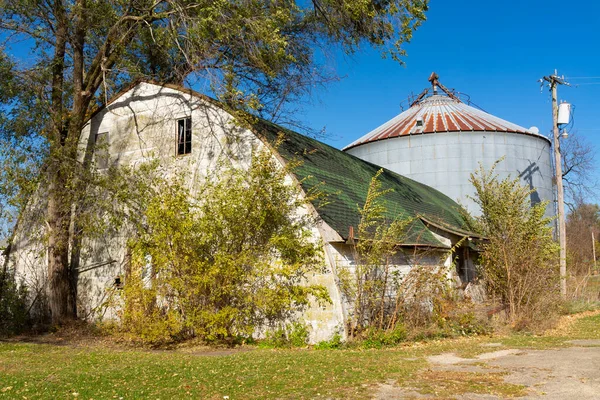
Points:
(594, 249)
(554, 80)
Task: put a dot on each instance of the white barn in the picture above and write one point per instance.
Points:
(188, 131)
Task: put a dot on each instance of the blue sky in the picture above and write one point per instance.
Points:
(494, 51)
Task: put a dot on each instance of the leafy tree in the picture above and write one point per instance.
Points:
(519, 260)
(252, 54)
(21, 154)
(222, 263)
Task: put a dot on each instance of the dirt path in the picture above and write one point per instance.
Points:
(566, 373)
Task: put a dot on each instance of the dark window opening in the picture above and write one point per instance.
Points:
(184, 136)
(118, 282)
(465, 265)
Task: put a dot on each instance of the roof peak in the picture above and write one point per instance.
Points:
(427, 93)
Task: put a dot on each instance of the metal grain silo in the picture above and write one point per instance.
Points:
(440, 141)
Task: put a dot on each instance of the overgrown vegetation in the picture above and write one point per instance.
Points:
(256, 56)
(13, 306)
(394, 295)
(294, 334)
(224, 262)
(583, 230)
(374, 279)
(519, 264)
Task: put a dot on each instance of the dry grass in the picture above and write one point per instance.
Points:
(566, 323)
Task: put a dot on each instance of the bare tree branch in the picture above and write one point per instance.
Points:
(579, 168)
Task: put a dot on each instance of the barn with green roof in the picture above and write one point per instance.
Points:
(187, 131)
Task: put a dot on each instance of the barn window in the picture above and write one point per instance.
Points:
(101, 150)
(184, 136)
(118, 282)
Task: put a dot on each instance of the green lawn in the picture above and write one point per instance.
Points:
(35, 371)
(44, 371)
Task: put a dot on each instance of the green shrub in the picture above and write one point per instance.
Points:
(333, 344)
(290, 335)
(14, 317)
(466, 324)
(378, 338)
(298, 335)
(225, 263)
(519, 259)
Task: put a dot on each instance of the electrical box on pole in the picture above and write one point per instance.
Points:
(564, 113)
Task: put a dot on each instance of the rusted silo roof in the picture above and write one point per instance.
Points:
(439, 113)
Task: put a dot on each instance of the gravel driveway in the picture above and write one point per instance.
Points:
(554, 374)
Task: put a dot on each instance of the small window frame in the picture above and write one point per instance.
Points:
(183, 136)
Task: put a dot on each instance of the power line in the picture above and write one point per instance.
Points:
(583, 77)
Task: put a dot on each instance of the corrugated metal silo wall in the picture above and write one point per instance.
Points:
(445, 161)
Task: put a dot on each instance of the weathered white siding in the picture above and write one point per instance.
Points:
(343, 257)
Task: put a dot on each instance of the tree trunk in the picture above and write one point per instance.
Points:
(58, 212)
(61, 301)
(4, 276)
(64, 178)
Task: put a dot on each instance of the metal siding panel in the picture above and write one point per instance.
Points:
(401, 167)
(380, 158)
(450, 170)
(427, 152)
(442, 138)
(441, 151)
(453, 151)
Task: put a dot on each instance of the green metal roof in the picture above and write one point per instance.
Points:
(345, 180)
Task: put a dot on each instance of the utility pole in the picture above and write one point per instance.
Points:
(554, 80)
(594, 249)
